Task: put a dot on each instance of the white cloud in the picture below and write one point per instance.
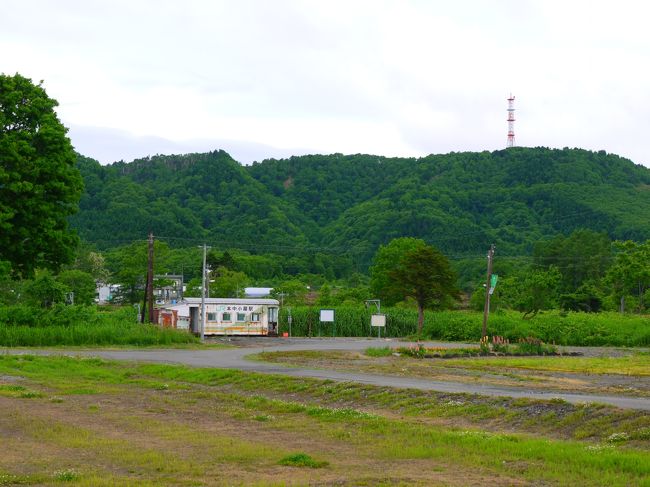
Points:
(384, 77)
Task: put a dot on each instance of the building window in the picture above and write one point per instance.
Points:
(212, 316)
(241, 316)
(225, 317)
(255, 317)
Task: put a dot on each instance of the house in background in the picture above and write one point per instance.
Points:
(105, 293)
(168, 289)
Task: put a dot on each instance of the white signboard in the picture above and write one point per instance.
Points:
(377, 320)
(327, 315)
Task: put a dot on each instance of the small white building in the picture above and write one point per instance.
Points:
(224, 316)
(257, 292)
(105, 293)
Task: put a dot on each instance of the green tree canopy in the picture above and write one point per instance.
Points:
(227, 283)
(581, 257)
(80, 283)
(39, 183)
(385, 260)
(630, 273)
(533, 291)
(44, 290)
(409, 268)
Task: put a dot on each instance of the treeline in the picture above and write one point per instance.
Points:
(584, 271)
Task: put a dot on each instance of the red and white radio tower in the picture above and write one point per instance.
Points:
(511, 121)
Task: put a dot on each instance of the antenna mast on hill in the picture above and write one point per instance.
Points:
(511, 121)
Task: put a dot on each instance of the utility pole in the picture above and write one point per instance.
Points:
(150, 278)
(486, 309)
(203, 287)
(147, 281)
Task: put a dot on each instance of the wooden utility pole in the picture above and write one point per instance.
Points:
(147, 300)
(486, 309)
(149, 288)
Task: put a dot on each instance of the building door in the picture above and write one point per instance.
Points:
(273, 321)
(194, 319)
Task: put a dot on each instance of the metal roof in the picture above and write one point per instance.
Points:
(273, 302)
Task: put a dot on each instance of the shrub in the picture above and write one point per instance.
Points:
(379, 352)
(80, 325)
(302, 460)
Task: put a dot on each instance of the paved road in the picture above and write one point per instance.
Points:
(235, 358)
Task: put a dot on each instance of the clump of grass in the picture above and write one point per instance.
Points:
(338, 413)
(67, 475)
(618, 437)
(30, 394)
(378, 351)
(263, 417)
(302, 460)
(11, 388)
(8, 479)
(641, 434)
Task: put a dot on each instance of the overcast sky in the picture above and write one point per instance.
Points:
(273, 78)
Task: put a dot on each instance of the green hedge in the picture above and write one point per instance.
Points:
(593, 329)
(24, 326)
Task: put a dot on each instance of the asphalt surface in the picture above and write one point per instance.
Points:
(235, 358)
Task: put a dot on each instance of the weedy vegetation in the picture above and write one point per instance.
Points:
(26, 326)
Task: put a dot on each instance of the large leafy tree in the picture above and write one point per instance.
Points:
(39, 184)
(630, 273)
(408, 268)
(534, 290)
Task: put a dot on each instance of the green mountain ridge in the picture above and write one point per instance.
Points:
(351, 204)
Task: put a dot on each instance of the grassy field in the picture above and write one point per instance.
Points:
(94, 422)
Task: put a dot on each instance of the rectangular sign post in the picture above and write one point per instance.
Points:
(327, 316)
(378, 320)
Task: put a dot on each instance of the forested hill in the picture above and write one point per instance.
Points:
(460, 202)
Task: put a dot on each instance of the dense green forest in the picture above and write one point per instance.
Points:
(328, 214)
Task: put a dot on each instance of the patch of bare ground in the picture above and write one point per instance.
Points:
(196, 435)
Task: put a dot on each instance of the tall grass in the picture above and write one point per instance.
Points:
(588, 329)
(349, 321)
(22, 326)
